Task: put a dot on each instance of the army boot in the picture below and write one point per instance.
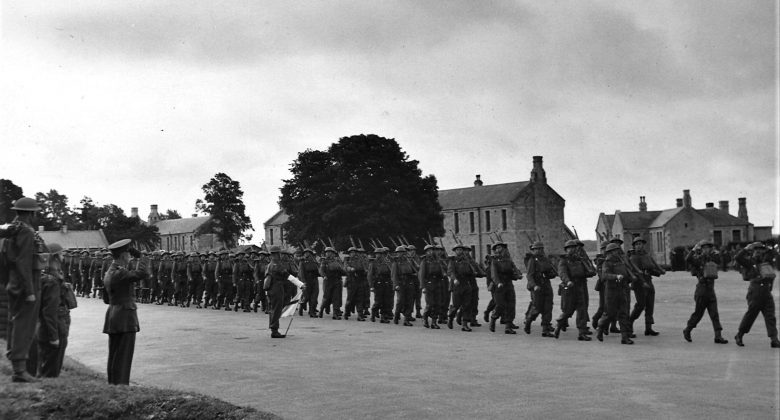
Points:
(527, 327)
(373, 315)
(20, 372)
(600, 334)
(775, 343)
(687, 334)
(492, 324)
(408, 322)
(465, 326)
(557, 332)
(719, 338)
(425, 322)
(449, 322)
(396, 317)
(277, 334)
(434, 323)
(583, 337)
(738, 339)
(649, 330)
(509, 330)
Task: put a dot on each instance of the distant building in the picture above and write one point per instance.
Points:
(72, 239)
(520, 212)
(274, 232)
(681, 226)
(182, 234)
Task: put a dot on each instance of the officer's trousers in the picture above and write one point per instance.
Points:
(760, 300)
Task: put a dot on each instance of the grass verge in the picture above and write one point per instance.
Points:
(80, 393)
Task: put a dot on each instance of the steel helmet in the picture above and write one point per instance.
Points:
(26, 204)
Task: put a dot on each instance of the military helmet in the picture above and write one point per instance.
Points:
(351, 249)
(309, 250)
(380, 250)
(401, 248)
(427, 247)
(264, 252)
(275, 249)
(755, 245)
(498, 244)
(570, 243)
(603, 245)
(612, 246)
(360, 249)
(411, 247)
(330, 249)
(705, 242)
(26, 204)
(84, 251)
(616, 240)
(437, 246)
(193, 254)
(54, 248)
(579, 242)
(459, 246)
(537, 245)
(638, 239)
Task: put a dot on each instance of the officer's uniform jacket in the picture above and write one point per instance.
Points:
(119, 294)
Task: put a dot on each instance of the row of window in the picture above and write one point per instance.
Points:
(178, 242)
(487, 223)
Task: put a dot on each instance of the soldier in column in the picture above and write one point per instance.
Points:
(224, 275)
(364, 290)
(179, 276)
(503, 273)
(573, 273)
(540, 272)
(635, 279)
(755, 261)
(194, 279)
(263, 258)
(94, 273)
(463, 272)
(380, 283)
(644, 291)
(83, 274)
(242, 281)
(703, 261)
(490, 286)
(616, 277)
(599, 287)
(411, 253)
(210, 288)
(429, 276)
(356, 283)
(164, 280)
(404, 278)
(331, 270)
(444, 284)
(153, 269)
(474, 287)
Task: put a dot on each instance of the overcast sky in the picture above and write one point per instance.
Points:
(142, 102)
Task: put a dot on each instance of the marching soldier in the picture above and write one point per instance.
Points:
(463, 272)
(331, 270)
(404, 278)
(616, 277)
(430, 276)
(179, 275)
(573, 272)
(164, 280)
(755, 262)
(644, 291)
(380, 283)
(503, 273)
(259, 276)
(540, 272)
(154, 269)
(195, 279)
(411, 253)
(444, 284)
(94, 273)
(703, 261)
(635, 279)
(356, 284)
(242, 282)
(599, 287)
(86, 284)
(224, 275)
(210, 287)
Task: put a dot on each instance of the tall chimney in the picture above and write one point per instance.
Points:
(679, 202)
(537, 173)
(478, 181)
(687, 198)
(710, 205)
(133, 211)
(742, 212)
(642, 203)
(154, 217)
(724, 205)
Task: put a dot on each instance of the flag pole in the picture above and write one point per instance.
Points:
(292, 317)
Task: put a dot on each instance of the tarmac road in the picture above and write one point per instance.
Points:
(348, 370)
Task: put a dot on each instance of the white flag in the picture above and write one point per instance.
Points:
(290, 308)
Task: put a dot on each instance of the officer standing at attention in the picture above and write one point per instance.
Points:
(704, 262)
(276, 276)
(23, 279)
(121, 322)
(756, 261)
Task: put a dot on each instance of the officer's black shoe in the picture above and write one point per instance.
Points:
(600, 334)
(509, 331)
(449, 323)
(557, 332)
(425, 322)
(583, 337)
(626, 341)
(687, 335)
(527, 327)
(277, 334)
(492, 325)
(738, 340)
(487, 316)
(476, 324)
(775, 343)
(24, 377)
(721, 340)
(649, 331)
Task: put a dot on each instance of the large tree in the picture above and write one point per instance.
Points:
(170, 215)
(116, 224)
(55, 211)
(363, 186)
(223, 200)
(9, 192)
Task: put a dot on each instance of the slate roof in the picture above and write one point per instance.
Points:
(76, 238)
(664, 217)
(720, 218)
(637, 219)
(177, 226)
(277, 219)
(482, 196)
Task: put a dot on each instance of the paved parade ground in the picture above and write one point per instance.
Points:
(349, 369)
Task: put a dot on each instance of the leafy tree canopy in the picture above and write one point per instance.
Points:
(223, 200)
(170, 215)
(363, 186)
(116, 225)
(55, 211)
(9, 192)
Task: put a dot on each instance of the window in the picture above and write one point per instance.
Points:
(272, 235)
(176, 242)
(736, 235)
(503, 219)
(471, 221)
(659, 244)
(717, 237)
(487, 221)
(487, 249)
(457, 223)
(168, 243)
(474, 251)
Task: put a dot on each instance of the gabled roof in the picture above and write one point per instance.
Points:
(76, 238)
(177, 226)
(637, 219)
(277, 219)
(665, 216)
(720, 218)
(481, 196)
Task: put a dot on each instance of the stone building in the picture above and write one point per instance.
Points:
(520, 212)
(274, 232)
(75, 239)
(677, 227)
(182, 234)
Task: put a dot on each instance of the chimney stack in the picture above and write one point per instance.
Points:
(724, 205)
(133, 211)
(478, 181)
(642, 203)
(710, 205)
(537, 173)
(154, 217)
(742, 212)
(687, 198)
(679, 202)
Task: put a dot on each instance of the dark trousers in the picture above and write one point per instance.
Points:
(196, 291)
(433, 299)
(244, 293)
(444, 298)
(541, 304)
(645, 301)
(310, 296)
(406, 293)
(22, 316)
(355, 297)
(226, 293)
(760, 300)
(210, 292)
(50, 357)
(616, 309)
(383, 300)
(705, 301)
(574, 302)
(276, 304)
(120, 357)
(462, 302)
(474, 295)
(506, 303)
(332, 295)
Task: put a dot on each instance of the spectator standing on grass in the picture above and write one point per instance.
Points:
(755, 262)
(22, 279)
(704, 261)
(121, 322)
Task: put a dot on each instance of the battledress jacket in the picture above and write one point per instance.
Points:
(121, 314)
